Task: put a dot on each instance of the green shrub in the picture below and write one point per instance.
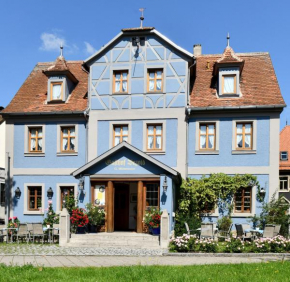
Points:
(193, 222)
(224, 223)
(234, 245)
(96, 215)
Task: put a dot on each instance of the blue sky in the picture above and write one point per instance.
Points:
(31, 31)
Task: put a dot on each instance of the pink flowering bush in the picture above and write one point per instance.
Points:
(233, 245)
(190, 243)
(278, 244)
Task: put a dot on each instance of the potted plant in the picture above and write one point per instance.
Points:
(152, 220)
(96, 216)
(51, 216)
(79, 220)
(13, 222)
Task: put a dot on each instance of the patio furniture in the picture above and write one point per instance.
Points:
(22, 232)
(187, 228)
(3, 233)
(30, 229)
(269, 231)
(277, 229)
(225, 234)
(207, 230)
(37, 231)
(55, 232)
(241, 231)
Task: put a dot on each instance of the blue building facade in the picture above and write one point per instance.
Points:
(122, 129)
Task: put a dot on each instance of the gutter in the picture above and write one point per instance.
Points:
(42, 113)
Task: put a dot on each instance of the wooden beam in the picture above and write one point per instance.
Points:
(110, 207)
(140, 207)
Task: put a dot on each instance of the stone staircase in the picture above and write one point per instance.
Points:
(114, 240)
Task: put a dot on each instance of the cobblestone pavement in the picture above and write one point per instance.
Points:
(55, 250)
(106, 261)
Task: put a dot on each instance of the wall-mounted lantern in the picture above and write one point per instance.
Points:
(17, 193)
(49, 193)
(165, 185)
(102, 189)
(81, 183)
(262, 192)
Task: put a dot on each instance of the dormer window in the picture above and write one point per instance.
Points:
(229, 84)
(56, 91)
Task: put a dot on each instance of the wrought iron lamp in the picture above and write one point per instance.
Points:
(49, 193)
(81, 183)
(165, 185)
(17, 193)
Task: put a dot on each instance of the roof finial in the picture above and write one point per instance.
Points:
(61, 50)
(142, 16)
(228, 39)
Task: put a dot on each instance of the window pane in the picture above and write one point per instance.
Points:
(158, 142)
(39, 132)
(211, 129)
(124, 86)
(158, 84)
(150, 129)
(229, 82)
(72, 144)
(39, 147)
(159, 74)
(117, 86)
(158, 129)
(239, 128)
(151, 85)
(72, 131)
(64, 144)
(117, 131)
(125, 130)
(203, 129)
(117, 140)
(32, 145)
(118, 76)
(151, 75)
(152, 195)
(33, 132)
(248, 128)
(64, 132)
(56, 91)
(248, 141)
(125, 138)
(125, 75)
(202, 141)
(239, 141)
(150, 142)
(210, 141)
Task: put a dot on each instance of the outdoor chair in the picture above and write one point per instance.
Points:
(269, 231)
(187, 228)
(277, 229)
(3, 233)
(55, 232)
(22, 232)
(225, 234)
(207, 230)
(37, 231)
(241, 231)
(30, 229)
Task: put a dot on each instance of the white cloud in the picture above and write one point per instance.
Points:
(51, 41)
(89, 48)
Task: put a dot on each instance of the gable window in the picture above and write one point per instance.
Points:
(120, 82)
(65, 192)
(154, 137)
(244, 136)
(155, 80)
(229, 84)
(34, 198)
(120, 134)
(56, 91)
(207, 136)
(68, 139)
(283, 183)
(284, 156)
(243, 200)
(35, 139)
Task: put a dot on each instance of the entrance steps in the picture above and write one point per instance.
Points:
(114, 240)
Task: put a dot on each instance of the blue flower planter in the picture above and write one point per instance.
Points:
(156, 231)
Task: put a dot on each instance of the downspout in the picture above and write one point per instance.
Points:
(187, 113)
(86, 115)
(8, 189)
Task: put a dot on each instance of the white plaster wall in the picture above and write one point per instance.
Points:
(2, 144)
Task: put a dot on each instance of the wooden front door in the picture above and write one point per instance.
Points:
(121, 207)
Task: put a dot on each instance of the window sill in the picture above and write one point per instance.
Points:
(33, 212)
(56, 102)
(205, 152)
(229, 96)
(155, 92)
(155, 152)
(60, 154)
(120, 93)
(246, 214)
(243, 152)
(34, 154)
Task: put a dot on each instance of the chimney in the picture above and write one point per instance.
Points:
(196, 49)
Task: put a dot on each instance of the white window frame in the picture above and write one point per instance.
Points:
(253, 205)
(27, 153)
(199, 151)
(49, 87)
(254, 141)
(226, 72)
(284, 190)
(117, 123)
(58, 140)
(58, 193)
(154, 122)
(26, 210)
(281, 152)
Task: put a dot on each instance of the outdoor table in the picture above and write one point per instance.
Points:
(255, 232)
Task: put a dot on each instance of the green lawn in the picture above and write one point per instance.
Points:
(273, 271)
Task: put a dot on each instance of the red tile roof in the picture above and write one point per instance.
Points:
(32, 95)
(258, 83)
(285, 146)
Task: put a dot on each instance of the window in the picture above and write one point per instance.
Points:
(65, 192)
(56, 91)
(68, 138)
(207, 136)
(35, 139)
(155, 80)
(34, 198)
(154, 137)
(244, 136)
(120, 134)
(283, 183)
(2, 194)
(229, 84)
(152, 195)
(243, 200)
(284, 156)
(120, 83)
